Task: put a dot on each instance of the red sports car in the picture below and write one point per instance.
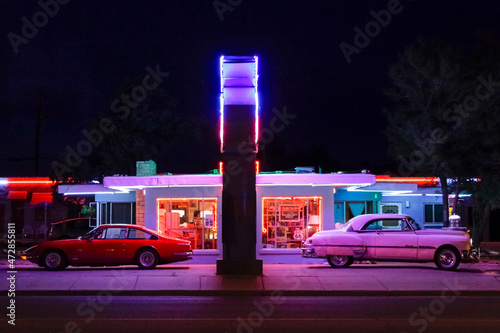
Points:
(111, 245)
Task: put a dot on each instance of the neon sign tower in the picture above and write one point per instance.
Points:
(239, 132)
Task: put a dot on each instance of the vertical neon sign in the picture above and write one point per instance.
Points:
(239, 76)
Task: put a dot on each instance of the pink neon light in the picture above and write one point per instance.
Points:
(221, 130)
(256, 131)
(30, 181)
(417, 180)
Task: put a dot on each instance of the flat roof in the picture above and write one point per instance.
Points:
(299, 179)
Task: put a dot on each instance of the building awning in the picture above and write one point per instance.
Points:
(154, 181)
(389, 188)
(39, 197)
(17, 195)
(316, 179)
(84, 189)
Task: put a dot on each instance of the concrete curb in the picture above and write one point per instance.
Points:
(256, 293)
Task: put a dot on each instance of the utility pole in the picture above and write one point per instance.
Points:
(39, 116)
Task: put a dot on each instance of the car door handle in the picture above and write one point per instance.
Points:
(122, 244)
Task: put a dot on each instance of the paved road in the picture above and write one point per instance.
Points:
(104, 313)
(360, 279)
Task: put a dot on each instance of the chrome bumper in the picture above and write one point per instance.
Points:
(183, 254)
(308, 253)
(471, 255)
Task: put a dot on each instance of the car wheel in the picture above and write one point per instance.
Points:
(447, 258)
(147, 259)
(340, 261)
(54, 260)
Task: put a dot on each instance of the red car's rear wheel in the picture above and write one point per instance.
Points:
(147, 259)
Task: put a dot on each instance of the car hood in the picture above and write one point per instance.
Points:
(61, 242)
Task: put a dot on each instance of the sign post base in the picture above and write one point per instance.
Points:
(239, 267)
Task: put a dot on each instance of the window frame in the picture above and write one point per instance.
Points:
(433, 205)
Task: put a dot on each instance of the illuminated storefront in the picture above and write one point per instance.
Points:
(191, 218)
(287, 221)
(290, 206)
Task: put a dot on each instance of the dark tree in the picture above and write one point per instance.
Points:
(445, 120)
(427, 81)
(135, 130)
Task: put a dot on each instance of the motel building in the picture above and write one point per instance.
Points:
(291, 206)
(288, 207)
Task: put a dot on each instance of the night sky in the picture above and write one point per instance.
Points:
(82, 54)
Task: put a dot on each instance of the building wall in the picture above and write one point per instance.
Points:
(413, 204)
(116, 197)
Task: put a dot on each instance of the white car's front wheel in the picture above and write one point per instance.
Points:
(447, 258)
(340, 261)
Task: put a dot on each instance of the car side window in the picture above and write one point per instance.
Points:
(372, 226)
(414, 224)
(140, 234)
(391, 225)
(386, 225)
(114, 233)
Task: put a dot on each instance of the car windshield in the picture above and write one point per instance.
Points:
(414, 224)
(89, 234)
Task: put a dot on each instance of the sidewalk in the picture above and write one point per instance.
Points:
(314, 279)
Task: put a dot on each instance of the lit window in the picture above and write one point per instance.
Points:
(287, 221)
(194, 219)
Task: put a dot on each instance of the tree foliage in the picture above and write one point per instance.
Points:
(136, 131)
(445, 119)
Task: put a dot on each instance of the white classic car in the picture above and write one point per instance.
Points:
(389, 237)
